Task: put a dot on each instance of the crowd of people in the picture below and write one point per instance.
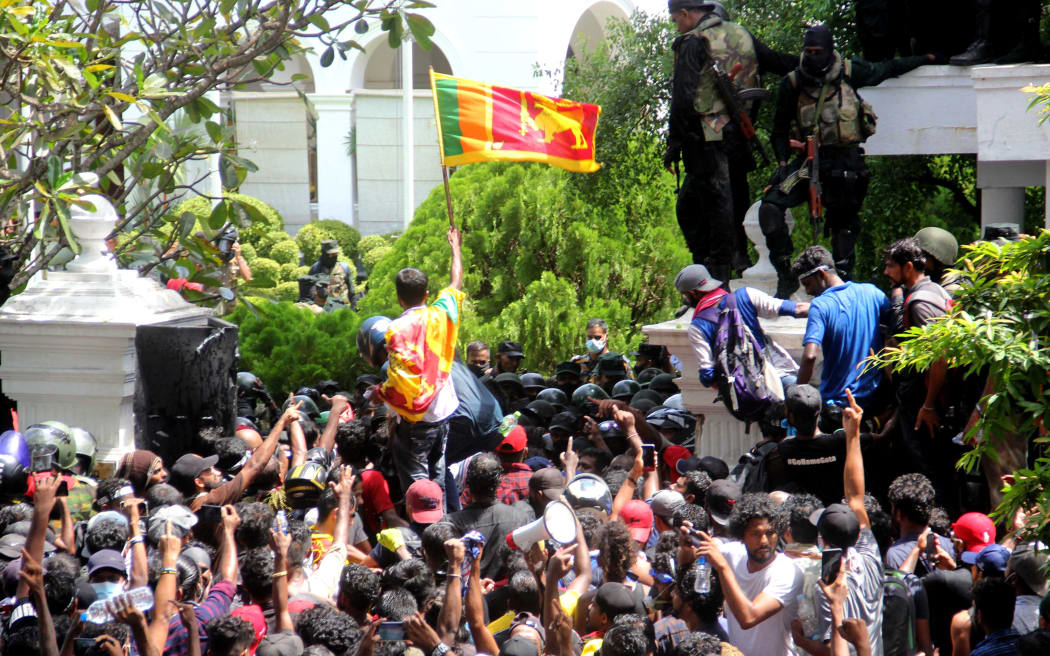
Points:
(457, 502)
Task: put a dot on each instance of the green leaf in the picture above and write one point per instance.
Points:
(422, 29)
(319, 21)
(186, 223)
(62, 211)
(220, 214)
(54, 169)
(151, 170)
(396, 34)
(327, 57)
(228, 173)
(41, 222)
(214, 131)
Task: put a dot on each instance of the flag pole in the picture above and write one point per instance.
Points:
(448, 198)
(441, 149)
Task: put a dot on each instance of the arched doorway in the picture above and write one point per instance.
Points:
(383, 70)
(590, 29)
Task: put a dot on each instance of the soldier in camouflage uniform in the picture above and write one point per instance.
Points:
(701, 133)
(82, 495)
(329, 269)
(824, 84)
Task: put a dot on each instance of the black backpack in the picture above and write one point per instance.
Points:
(750, 472)
(898, 614)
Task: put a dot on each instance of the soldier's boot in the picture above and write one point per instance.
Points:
(843, 242)
(980, 51)
(787, 284)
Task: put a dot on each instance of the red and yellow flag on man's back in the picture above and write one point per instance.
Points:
(481, 122)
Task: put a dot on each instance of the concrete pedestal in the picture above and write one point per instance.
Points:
(719, 434)
(68, 340)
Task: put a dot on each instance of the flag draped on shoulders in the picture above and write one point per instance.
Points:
(480, 122)
(421, 346)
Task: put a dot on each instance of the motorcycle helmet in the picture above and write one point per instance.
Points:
(304, 484)
(13, 444)
(589, 491)
(553, 395)
(533, 382)
(307, 407)
(678, 425)
(55, 434)
(371, 340)
(86, 446)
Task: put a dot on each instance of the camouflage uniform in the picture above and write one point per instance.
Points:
(716, 157)
(81, 498)
(307, 290)
(334, 272)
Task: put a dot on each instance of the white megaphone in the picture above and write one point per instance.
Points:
(557, 523)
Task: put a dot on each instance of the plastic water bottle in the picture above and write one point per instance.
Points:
(508, 423)
(703, 576)
(141, 598)
(280, 522)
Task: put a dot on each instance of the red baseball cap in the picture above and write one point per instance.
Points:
(976, 530)
(514, 442)
(672, 455)
(253, 615)
(424, 499)
(639, 519)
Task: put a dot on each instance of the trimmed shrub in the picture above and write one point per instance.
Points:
(289, 272)
(372, 257)
(264, 267)
(284, 252)
(249, 253)
(311, 235)
(286, 291)
(288, 347)
(271, 239)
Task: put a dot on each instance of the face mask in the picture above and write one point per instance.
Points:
(595, 345)
(106, 589)
(818, 65)
(478, 369)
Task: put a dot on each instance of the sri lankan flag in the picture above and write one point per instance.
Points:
(481, 122)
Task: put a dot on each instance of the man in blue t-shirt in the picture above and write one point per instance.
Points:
(843, 326)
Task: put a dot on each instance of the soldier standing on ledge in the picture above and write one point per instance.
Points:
(337, 274)
(824, 85)
(702, 133)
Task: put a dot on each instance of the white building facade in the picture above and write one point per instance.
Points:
(350, 163)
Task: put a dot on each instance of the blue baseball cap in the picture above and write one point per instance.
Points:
(991, 560)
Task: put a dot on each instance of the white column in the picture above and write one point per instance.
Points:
(408, 164)
(1002, 205)
(335, 174)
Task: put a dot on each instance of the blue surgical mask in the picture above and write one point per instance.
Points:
(106, 589)
(595, 345)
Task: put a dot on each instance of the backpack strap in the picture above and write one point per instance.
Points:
(927, 294)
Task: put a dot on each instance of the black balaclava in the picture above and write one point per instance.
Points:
(817, 66)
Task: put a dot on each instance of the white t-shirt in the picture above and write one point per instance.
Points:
(779, 579)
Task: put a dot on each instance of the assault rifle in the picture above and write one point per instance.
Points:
(735, 100)
(816, 209)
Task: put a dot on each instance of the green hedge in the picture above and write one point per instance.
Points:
(288, 347)
(311, 235)
(284, 252)
(252, 230)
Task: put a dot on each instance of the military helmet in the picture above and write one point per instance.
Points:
(308, 407)
(310, 392)
(553, 395)
(247, 382)
(587, 391)
(715, 7)
(623, 390)
(86, 445)
(371, 340)
(54, 434)
(939, 243)
(646, 375)
(13, 444)
(588, 491)
(531, 381)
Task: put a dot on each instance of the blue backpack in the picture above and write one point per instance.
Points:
(746, 381)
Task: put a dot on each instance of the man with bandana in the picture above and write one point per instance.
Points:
(329, 269)
(824, 84)
(703, 135)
